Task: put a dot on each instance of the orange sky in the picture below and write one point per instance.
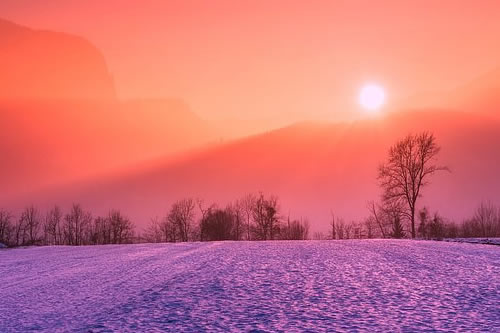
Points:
(277, 59)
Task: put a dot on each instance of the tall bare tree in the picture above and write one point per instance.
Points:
(486, 217)
(52, 226)
(347, 229)
(182, 216)
(266, 217)
(30, 222)
(237, 211)
(169, 229)
(204, 211)
(76, 225)
(369, 224)
(340, 228)
(247, 204)
(122, 228)
(410, 164)
(99, 231)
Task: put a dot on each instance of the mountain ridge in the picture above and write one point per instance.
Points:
(49, 65)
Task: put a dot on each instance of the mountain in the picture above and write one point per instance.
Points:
(59, 141)
(37, 64)
(60, 119)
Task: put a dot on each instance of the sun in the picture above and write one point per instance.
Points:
(372, 97)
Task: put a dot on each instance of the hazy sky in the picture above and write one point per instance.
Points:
(284, 59)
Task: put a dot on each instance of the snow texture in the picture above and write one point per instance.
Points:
(308, 286)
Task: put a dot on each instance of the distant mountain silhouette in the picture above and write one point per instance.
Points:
(36, 64)
(47, 142)
(60, 120)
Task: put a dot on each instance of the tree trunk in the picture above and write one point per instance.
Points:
(413, 222)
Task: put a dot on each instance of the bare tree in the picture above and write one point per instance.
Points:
(358, 230)
(204, 211)
(182, 215)
(76, 225)
(20, 233)
(388, 218)
(370, 226)
(259, 218)
(318, 235)
(153, 233)
(486, 218)
(347, 229)
(52, 226)
(295, 230)
(6, 227)
(29, 224)
(247, 204)
(237, 211)
(122, 228)
(340, 228)
(99, 232)
(375, 211)
(332, 226)
(410, 163)
(266, 217)
(169, 230)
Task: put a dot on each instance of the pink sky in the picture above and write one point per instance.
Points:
(277, 59)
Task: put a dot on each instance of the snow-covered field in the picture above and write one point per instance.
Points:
(377, 285)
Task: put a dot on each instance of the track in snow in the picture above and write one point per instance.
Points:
(382, 285)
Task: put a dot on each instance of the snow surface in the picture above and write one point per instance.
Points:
(313, 286)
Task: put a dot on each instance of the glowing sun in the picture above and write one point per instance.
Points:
(372, 97)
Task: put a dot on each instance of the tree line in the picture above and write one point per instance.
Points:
(76, 227)
(411, 162)
(253, 217)
(382, 223)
